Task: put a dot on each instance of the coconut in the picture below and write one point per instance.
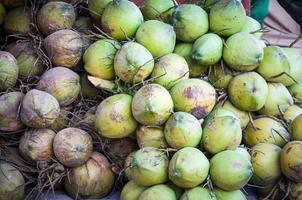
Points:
(133, 63)
(183, 130)
(64, 48)
(194, 96)
(243, 116)
(291, 161)
(244, 152)
(220, 75)
(98, 58)
(83, 24)
(294, 59)
(62, 83)
(266, 130)
(295, 191)
(207, 50)
(221, 132)
(184, 50)
(96, 8)
(169, 70)
(127, 165)
(230, 195)
(11, 182)
(114, 118)
(253, 27)
(291, 113)
(296, 91)
(36, 144)
(131, 191)
(229, 170)
(29, 63)
(158, 9)
(54, 16)
(18, 21)
(227, 17)
(149, 166)
(158, 192)
(178, 191)
(152, 105)
(197, 193)
(72, 147)
(190, 22)
(159, 38)
(242, 52)
(121, 19)
(62, 121)
(9, 111)
(92, 180)
(87, 88)
(2, 13)
(278, 100)
(8, 70)
(119, 149)
(13, 3)
(148, 136)
(39, 109)
(248, 91)
(296, 128)
(188, 167)
(266, 164)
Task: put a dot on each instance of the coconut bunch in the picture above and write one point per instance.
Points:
(181, 101)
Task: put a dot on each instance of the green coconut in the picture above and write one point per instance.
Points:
(230, 171)
(98, 58)
(190, 22)
(158, 192)
(64, 48)
(8, 70)
(127, 165)
(266, 130)
(92, 180)
(243, 116)
(207, 50)
(188, 167)
(11, 182)
(2, 13)
(169, 70)
(182, 130)
(62, 83)
(87, 88)
(62, 121)
(149, 166)
(266, 164)
(227, 17)
(133, 63)
(295, 191)
(248, 91)
(253, 27)
(121, 19)
(159, 38)
(244, 152)
(291, 161)
(296, 128)
(72, 147)
(220, 75)
(152, 105)
(96, 8)
(229, 195)
(131, 191)
(184, 50)
(194, 96)
(294, 59)
(242, 52)
(36, 144)
(39, 109)
(296, 91)
(9, 111)
(278, 100)
(291, 113)
(29, 63)
(18, 21)
(54, 16)
(221, 132)
(83, 24)
(114, 118)
(148, 136)
(197, 193)
(158, 9)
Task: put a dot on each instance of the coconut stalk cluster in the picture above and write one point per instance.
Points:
(161, 101)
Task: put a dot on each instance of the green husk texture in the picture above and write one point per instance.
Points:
(8, 70)
(158, 9)
(132, 191)
(158, 192)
